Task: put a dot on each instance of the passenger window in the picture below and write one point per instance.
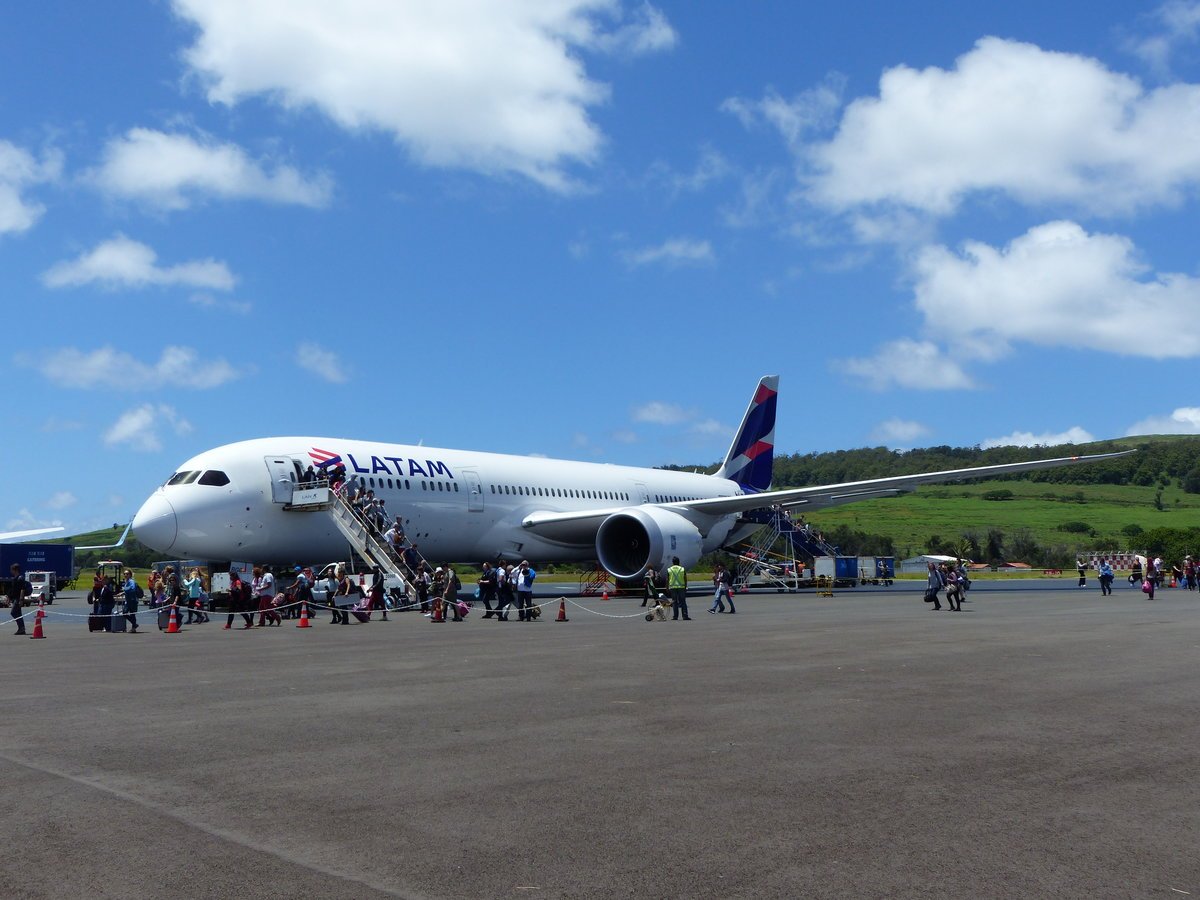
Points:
(214, 478)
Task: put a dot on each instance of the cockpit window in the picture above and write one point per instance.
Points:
(183, 478)
(214, 478)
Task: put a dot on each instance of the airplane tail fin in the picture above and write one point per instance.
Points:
(752, 452)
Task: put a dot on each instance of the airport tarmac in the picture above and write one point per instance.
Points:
(1041, 742)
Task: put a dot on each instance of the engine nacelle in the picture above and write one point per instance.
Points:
(644, 537)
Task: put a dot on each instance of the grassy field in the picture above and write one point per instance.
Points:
(950, 511)
(1041, 509)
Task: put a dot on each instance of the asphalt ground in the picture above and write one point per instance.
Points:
(1039, 743)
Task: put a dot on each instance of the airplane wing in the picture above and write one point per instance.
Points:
(573, 526)
(124, 534)
(13, 535)
(821, 496)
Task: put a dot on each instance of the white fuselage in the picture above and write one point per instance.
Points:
(457, 505)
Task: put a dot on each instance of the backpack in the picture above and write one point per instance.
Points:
(457, 583)
(138, 591)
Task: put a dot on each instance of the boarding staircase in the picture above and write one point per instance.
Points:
(364, 540)
(596, 581)
(774, 555)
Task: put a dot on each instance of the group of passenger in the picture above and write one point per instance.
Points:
(1154, 574)
(951, 576)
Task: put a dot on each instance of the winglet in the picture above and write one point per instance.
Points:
(124, 534)
(752, 453)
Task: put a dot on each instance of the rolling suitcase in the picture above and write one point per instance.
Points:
(95, 622)
(119, 622)
(164, 617)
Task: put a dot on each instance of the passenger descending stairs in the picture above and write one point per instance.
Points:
(366, 543)
(772, 555)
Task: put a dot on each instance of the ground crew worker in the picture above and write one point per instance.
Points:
(677, 585)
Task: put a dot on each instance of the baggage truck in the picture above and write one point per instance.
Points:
(841, 570)
(876, 569)
(56, 558)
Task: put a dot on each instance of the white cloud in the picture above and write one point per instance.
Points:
(647, 31)
(491, 87)
(171, 171)
(676, 251)
(1040, 126)
(1057, 286)
(710, 428)
(659, 413)
(26, 520)
(808, 111)
(1073, 435)
(55, 425)
(143, 427)
(1185, 420)
(1178, 23)
(906, 363)
(124, 263)
(322, 362)
(898, 432)
(624, 436)
(109, 368)
(19, 170)
(61, 500)
(220, 304)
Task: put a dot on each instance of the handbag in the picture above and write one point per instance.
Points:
(930, 595)
(1146, 586)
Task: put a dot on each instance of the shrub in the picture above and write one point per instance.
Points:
(998, 495)
(1076, 527)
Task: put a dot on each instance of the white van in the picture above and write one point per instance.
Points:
(44, 586)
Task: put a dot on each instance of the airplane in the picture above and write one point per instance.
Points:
(235, 502)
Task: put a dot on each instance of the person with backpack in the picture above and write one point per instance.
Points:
(450, 594)
(133, 592)
(525, 576)
(504, 592)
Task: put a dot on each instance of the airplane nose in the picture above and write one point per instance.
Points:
(155, 524)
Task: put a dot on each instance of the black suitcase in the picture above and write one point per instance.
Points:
(164, 618)
(95, 622)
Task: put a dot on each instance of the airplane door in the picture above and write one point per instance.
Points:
(474, 491)
(643, 495)
(283, 478)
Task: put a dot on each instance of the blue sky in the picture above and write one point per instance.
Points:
(584, 228)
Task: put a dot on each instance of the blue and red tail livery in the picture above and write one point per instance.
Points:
(752, 454)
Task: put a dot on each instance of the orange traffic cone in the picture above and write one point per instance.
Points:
(605, 597)
(37, 622)
(304, 623)
(173, 621)
(439, 614)
(562, 610)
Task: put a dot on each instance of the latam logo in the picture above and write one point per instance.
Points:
(379, 465)
(324, 458)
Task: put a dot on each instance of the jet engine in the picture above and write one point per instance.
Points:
(642, 537)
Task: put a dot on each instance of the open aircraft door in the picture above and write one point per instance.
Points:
(474, 491)
(283, 478)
